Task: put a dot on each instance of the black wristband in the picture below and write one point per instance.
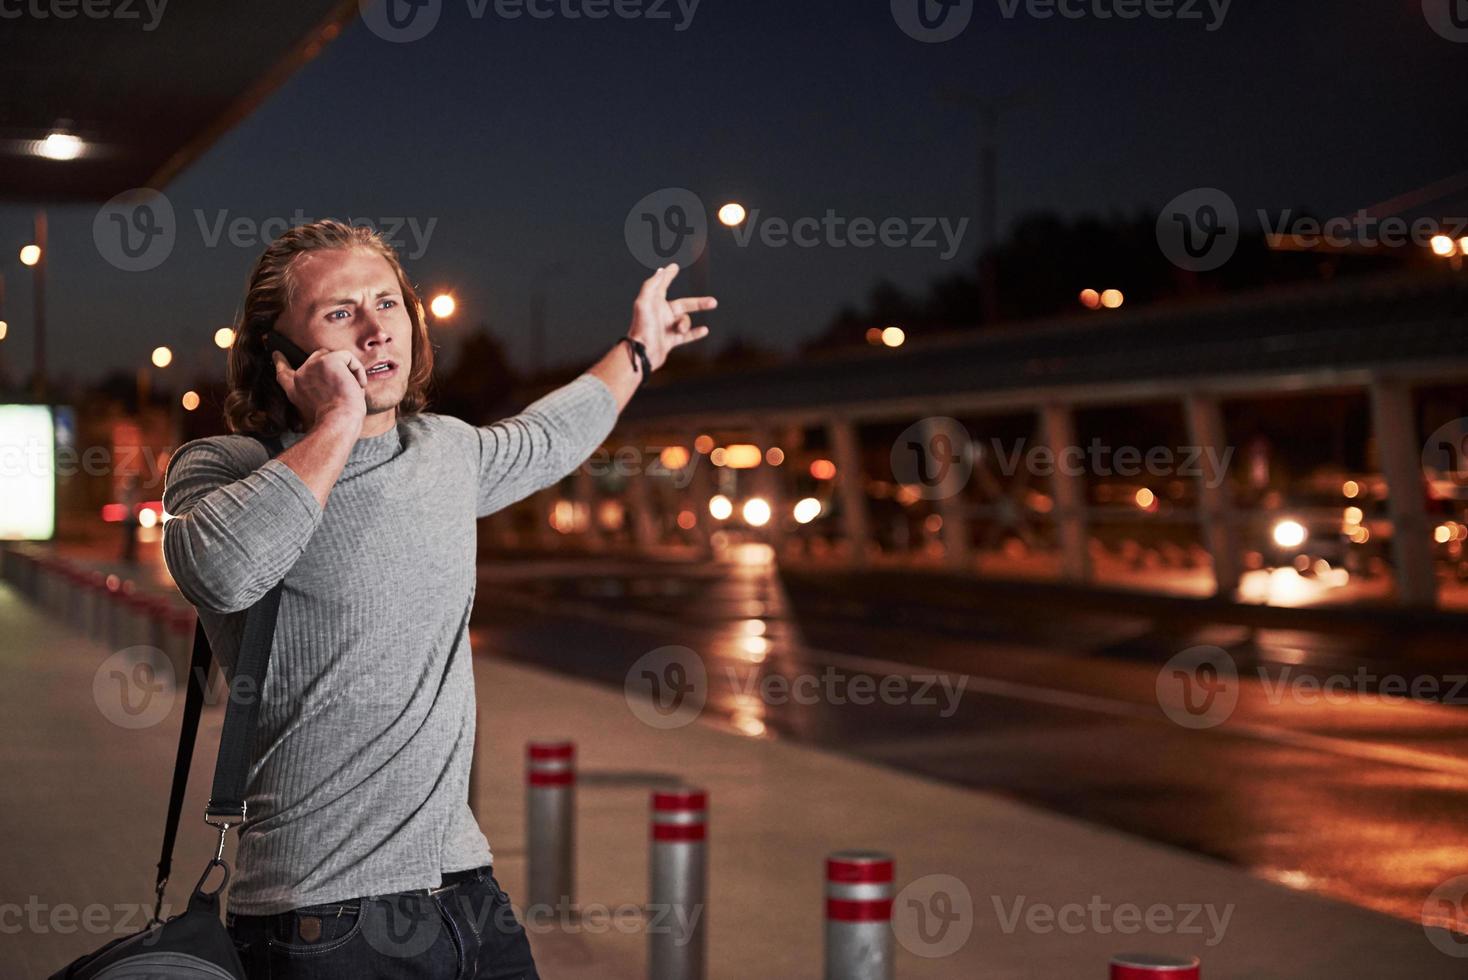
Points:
(639, 353)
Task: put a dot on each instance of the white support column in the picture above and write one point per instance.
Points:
(851, 485)
(1216, 517)
(1399, 449)
(640, 507)
(952, 502)
(585, 486)
(1058, 425)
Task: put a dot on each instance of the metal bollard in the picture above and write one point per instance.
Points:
(859, 894)
(1145, 966)
(679, 873)
(550, 822)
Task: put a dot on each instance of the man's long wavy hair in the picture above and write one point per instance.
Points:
(256, 403)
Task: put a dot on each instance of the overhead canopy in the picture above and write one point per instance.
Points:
(147, 88)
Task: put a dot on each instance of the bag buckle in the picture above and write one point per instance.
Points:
(230, 817)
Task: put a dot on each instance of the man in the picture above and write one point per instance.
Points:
(358, 820)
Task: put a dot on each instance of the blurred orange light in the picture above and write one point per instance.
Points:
(774, 455)
(742, 456)
(1112, 299)
(893, 336)
(687, 519)
(822, 469)
(703, 443)
(190, 400)
(1146, 498)
(1090, 299)
(1443, 245)
(673, 457)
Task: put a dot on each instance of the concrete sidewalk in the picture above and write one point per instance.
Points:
(85, 799)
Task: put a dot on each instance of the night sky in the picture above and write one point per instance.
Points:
(529, 140)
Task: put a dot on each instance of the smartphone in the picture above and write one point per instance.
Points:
(294, 356)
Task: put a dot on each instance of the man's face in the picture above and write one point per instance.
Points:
(349, 299)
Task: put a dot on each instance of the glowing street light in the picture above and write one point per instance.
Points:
(60, 146)
(893, 336)
(30, 254)
(190, 400)
(162, 357)
(4, 329)
(223, 338)
(732, 214)
(1112, 299)
(1090, 299)
(1289, 534)
(720, 507)
(1442, 245)
(443, 306)
(756, 511)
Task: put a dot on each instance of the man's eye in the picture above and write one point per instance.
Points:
(333, 313)
(389, 302)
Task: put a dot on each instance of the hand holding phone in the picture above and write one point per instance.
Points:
(277, 342)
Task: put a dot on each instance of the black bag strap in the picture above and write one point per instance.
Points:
(241, 713)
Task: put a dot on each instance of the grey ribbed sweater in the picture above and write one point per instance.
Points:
(359, 778)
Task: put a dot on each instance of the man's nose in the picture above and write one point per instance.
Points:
(376, 333)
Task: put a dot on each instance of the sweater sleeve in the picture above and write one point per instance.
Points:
(548, 440)
(234, 527)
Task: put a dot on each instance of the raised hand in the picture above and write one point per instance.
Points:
(662, 324)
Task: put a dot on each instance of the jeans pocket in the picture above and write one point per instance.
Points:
(315, 929)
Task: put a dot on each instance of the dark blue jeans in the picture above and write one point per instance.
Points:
(465, 930)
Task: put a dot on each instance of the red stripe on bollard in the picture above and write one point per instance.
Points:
(846, 871)
(680, 800)
(550, 750)
(679, 832)
(841, 910)
(550, 778)
(1144, 966)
